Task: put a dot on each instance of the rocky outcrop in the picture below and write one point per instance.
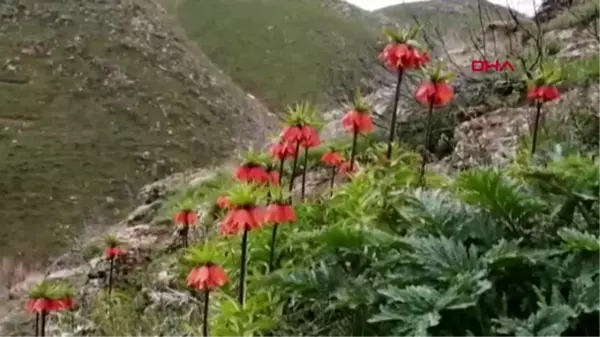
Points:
(551, 8)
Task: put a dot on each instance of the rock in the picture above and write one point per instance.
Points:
(162, 188)
(167, 299)
(144, 213)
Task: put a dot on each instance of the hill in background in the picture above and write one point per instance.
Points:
(286, 51)
(101, 97)
(455, 20)
(96, 99)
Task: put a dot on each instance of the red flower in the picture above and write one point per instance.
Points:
(38, 304)
(357, 121)
(282, 150)
(345, 167)
(48, 304)
(239, 219)
(332, 158)
(208, 277)
(252, 173)
(292, 134)
(280, 213)
(273, 177)
(223, 202)
(403, 56)
(310, 137)
(64, 303)
(305, 134)
(186, 217)
(439, 92)
(543, 93)
(114, 252)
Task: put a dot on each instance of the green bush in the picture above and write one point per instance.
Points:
(492, 252)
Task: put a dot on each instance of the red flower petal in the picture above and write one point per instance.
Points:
(217, 277)
(331, 158)
(439, 93)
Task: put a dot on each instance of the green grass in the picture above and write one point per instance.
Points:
(283, 51)
(68, 141)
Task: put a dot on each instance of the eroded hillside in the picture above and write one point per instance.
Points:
(96, 99)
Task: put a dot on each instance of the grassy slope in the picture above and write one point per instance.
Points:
(109, 103)
(283, 51)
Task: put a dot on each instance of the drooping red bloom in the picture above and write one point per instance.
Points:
(403, 56)
(357, 121)
(207, 277)
(543, 93)
(186, 217)
(241, 218)
(345, 167)
(38, 305)
(332, 158)
(48, 304)
(440, 93)
(282, 150)
(273, 177)
(114, 252)
(279, 213)
(293, 134)
(310, 137)
(252, 173)
(223, 201)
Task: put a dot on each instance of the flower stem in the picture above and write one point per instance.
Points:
(184, 231)
(272, 254)
(294, 165)
(281, 166)
(353, 150)
(536, 127)
(305, 164)
(37, 324)
(110, 275)
(43, 323)
(205, 313)
(394, 115)
(333, 172)
(243, 265)
(427, 136)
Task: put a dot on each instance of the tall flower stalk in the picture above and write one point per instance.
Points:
(278, 211)
(400, 55)
(542, 88)
(433, 92)
(357, 120)
(244, 215)
(205, 276)
(112, 253)
(47, 297)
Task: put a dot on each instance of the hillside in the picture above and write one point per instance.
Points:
(286, 51)
(96, 99)
(454, 19)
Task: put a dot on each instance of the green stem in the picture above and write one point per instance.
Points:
(353, 149)
(392, 134)
(272, 253)
(536, 126)
(427, 136)
(294, 166)
(243, 265)
(333, 172)
(205, 313)
(305, 164)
